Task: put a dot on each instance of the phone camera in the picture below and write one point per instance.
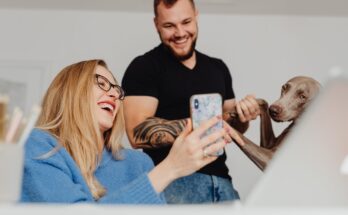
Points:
(196, 103)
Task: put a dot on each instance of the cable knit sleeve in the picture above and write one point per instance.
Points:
(51, 175)
(139, 190)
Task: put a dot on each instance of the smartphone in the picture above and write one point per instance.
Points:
(204, 107)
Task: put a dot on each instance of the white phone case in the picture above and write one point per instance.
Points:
(204, 107)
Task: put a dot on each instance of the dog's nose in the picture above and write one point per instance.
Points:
(275, 110)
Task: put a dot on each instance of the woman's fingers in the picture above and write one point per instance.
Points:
(185, 132)
(205, 126)
(234, 135)
(212, 150)
(227, 137)
(194, 149)
(213, 137)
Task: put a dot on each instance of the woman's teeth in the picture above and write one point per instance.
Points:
(107, 107)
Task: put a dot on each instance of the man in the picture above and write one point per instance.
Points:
(159, 85)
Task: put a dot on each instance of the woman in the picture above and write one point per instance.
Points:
(75, 153)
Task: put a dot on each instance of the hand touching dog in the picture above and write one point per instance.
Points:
(296, 95)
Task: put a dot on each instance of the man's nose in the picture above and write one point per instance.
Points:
(179, 31)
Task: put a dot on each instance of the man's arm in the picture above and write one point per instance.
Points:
(143, 129)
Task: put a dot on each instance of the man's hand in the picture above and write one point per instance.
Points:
(239, 113)
(248, 109)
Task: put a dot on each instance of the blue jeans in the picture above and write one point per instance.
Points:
(200, 188)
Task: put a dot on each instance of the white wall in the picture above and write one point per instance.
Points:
(261, 51)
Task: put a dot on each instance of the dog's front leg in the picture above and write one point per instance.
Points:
(267, 138)
(258, 155)
(231, 117)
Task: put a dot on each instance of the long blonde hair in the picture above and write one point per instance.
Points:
(67, 113)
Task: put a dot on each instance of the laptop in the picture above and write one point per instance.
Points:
(310, 169)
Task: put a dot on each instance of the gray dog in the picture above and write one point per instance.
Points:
(296, 95)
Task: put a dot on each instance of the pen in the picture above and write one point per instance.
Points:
(14, 125)
(3, 111)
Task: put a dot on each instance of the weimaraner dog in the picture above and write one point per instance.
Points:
(295, 97)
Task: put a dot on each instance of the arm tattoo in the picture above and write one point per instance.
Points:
(156, 132)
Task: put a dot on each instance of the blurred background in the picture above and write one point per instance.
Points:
(263, 42)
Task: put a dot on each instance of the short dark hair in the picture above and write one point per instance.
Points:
(167, 3)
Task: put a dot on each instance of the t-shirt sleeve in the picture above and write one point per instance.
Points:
(140, 78)
(228, 80)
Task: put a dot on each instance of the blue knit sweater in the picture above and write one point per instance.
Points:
(57, 179)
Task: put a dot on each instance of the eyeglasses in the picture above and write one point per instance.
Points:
(106, 85)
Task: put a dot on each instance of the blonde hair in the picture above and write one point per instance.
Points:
(67, 113)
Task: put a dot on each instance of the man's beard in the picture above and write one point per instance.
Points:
(186, 56)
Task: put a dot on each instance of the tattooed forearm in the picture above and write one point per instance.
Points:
(156, 132)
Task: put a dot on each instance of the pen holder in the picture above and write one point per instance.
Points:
(11, 172)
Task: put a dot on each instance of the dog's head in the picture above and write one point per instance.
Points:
(295, 97)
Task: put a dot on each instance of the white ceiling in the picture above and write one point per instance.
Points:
(249, 7)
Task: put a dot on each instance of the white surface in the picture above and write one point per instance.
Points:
(160, 210)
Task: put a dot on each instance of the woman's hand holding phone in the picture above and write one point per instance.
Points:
(189, 153)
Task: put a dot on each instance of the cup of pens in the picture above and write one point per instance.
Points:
(13, 134)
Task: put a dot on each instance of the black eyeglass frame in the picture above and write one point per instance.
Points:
(118, 88)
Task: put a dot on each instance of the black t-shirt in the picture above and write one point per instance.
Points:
(159, 74)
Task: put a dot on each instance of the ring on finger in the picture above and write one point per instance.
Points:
(205, 153)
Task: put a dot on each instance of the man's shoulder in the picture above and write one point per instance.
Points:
(217, 62)
(208, 57)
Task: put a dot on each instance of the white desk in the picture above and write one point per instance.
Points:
(85, 209)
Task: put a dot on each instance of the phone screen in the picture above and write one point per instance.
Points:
(204, 107)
